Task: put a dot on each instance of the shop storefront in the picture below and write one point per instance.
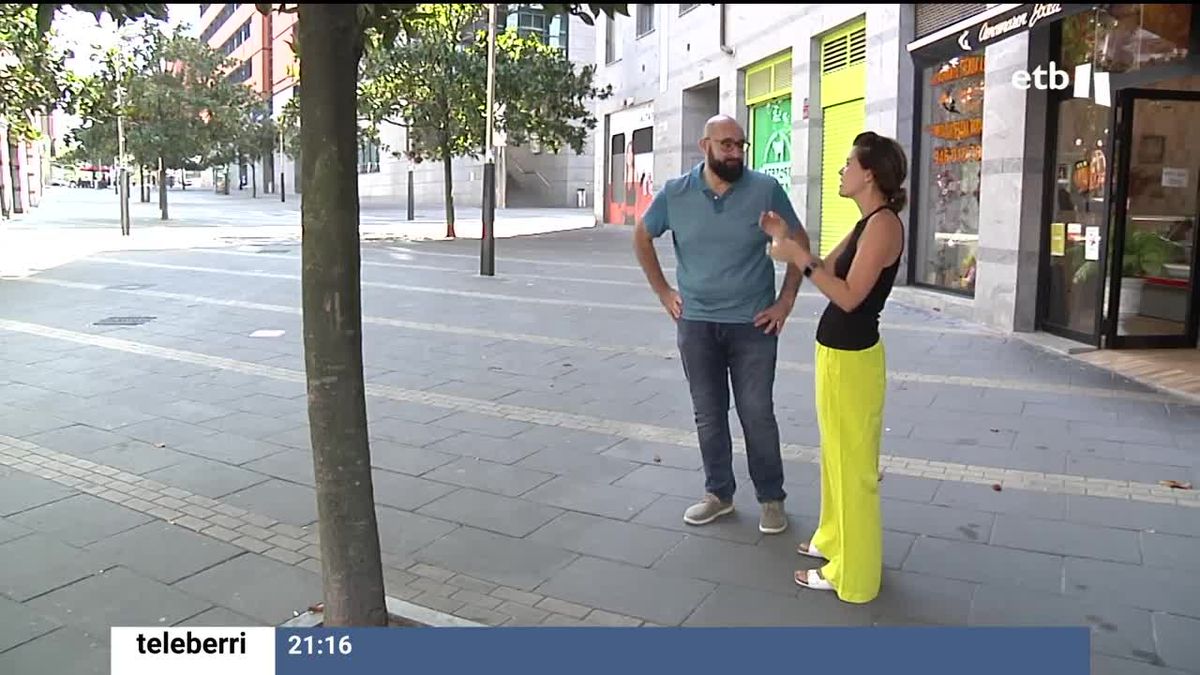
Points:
(1115, 91)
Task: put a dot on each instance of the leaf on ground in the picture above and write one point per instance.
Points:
(996, 487)
(1175, 484)
(319, 607)
(160, 445)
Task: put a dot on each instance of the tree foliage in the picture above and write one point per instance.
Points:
(33, 74)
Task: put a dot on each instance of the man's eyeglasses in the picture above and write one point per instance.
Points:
(729, 144)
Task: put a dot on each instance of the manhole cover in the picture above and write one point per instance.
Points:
(124, 321)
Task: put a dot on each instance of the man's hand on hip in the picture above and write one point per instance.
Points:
(771, 319)
(672, 301)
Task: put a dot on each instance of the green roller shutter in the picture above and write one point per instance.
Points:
(843, 111)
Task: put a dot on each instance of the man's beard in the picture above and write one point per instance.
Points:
(729, 171)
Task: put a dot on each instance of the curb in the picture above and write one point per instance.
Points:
(405, 612)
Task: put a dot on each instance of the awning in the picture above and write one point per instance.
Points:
(996, 24)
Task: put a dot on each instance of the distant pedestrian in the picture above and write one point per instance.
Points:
(728, 317)
(851, 374)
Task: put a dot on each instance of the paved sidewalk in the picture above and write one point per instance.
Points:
(534, 451)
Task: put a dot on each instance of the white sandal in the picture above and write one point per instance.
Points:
(813, 580)
(811, 551)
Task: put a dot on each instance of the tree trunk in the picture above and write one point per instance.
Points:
(253, 181)
(448, 177)
(162, 188)
(143, 189)
(330, 47)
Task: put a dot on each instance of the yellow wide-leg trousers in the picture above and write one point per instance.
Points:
(850, 390)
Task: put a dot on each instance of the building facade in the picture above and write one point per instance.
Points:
(1053, 177)
(526, 176)
(24, 167)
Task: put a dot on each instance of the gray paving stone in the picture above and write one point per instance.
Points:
(601, 500)
(666, 480)
(516, 563)
(737, 606)
(1070, 539)
(117, 597)
(109, 417)
(403, 410)
(908, 488)
(137, 457)
(644, 452)
(256, 586)
(1102, 664)
(647, 594)
(985, 564)
(408, 433)
(80, 520)
(605, 538)
(906, 598)
(65, 650)
(163, 551)
(1162, 518)
(77, 439)
(401, 532)
(768, 568)
(572, 440)
(1165, 550)
(290, 465)
(483, 424)
(1116, 631)
(406, 459)
(20, 491)
(231, 448)
(193, 412)
(1133, 586)
(964, 433)
(165, 430)
(1130, 434)
(10, 531)
(219, 616)
(206, 477)
(37, 563)
(24, 423)
(981, 497)
(509, 481)
(20, 623)
(406, 492)
(938, 521)
(281, 500)
(1177, 642)
(504, 515)
(1117, 469)
(583, 466)
(667, 513)
(249, 425)
(479, 446)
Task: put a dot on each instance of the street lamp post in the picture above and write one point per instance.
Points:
(487, 240)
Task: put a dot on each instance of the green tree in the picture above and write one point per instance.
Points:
(432, 79)
(33, 74)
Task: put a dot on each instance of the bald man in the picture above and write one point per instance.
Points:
(727, 315)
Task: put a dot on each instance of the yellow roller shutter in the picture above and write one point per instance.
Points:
(838, 214)
(843, 111)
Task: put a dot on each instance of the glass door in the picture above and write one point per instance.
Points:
(1152, 298)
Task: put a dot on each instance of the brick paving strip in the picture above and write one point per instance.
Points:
(1006, 478)
(425, 587)
(637, 350)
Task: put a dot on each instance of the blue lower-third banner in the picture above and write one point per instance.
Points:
(602, 651)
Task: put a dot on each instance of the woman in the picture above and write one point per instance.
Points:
(850, 367)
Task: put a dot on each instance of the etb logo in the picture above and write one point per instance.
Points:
(1054, 78)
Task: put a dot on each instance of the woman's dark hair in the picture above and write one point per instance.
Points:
(885, 159)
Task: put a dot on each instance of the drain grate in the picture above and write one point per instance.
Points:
(124, 320)
(129, 287)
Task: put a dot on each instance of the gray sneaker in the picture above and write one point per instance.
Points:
(773, 520)
(707, 510)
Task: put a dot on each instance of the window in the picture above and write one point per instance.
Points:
(645, 19)
(550, 27)
(368, 156)
(684, 9)
(218, 21)
(241, 73)
(612, 41)
(237, 39)
(1120, 38)
(949, 172)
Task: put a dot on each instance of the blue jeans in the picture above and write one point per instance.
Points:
(713, 355)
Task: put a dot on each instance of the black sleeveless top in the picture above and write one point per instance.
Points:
(859, 329)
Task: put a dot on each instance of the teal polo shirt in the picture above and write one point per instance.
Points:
(724, 272)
